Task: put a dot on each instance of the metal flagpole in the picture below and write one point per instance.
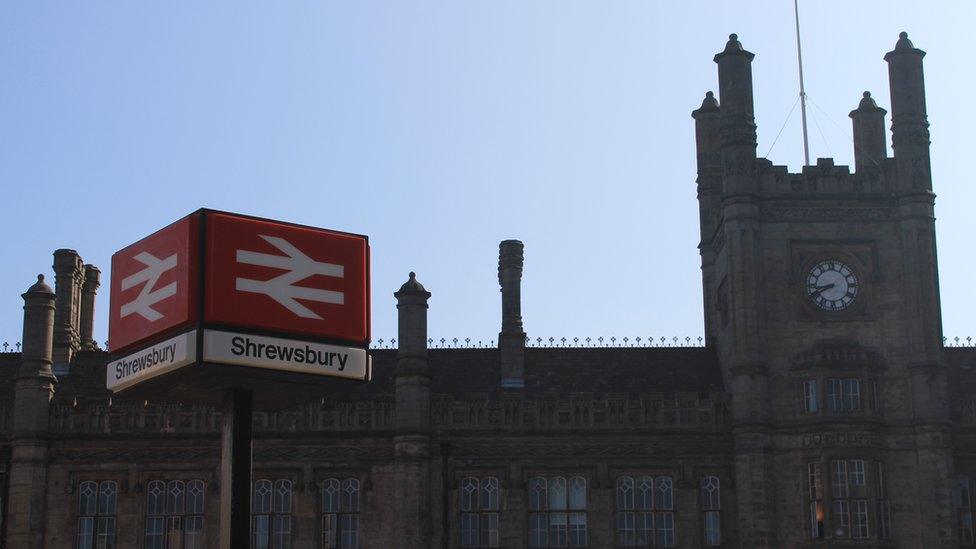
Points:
(803, 94)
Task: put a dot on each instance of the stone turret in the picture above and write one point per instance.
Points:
(511, 339)
(709, 148)
(910, 141)
(920, 295)
(870, 147)
(412, 497)
(33, 390)
(742, 342)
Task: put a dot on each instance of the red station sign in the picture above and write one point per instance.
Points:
(286, 278)
(268, 277)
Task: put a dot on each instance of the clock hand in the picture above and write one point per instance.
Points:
(821, 289)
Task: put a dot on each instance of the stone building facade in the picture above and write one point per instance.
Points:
(824, 409)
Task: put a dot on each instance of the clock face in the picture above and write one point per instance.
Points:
(832, 285)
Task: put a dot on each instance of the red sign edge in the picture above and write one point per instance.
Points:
(172, 330)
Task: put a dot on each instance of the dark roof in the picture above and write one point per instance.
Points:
(653, 369)
(86, 379)
(9, 362)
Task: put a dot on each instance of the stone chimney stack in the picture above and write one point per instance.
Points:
(411, 443)
(68, 280)
(33, 389)
(88, 291)
(870, 147)
(511, 340)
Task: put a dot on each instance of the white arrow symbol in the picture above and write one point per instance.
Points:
(148, 297)
(281, 288)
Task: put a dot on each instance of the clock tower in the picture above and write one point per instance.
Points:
(822, 299)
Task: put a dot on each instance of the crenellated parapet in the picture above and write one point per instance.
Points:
(823, 180)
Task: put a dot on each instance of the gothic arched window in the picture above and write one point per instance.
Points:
(644, 511)
(174, 514)
(479, 512)
(557, 512)
(271, 514)
(96, 514)
(711, 502)
(340, 513)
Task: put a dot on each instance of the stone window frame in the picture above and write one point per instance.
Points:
(810, 396)
(858, 496)
(843, 394)
(655, 511)
(711, 510)
(340, 472)
(883, 511)
(849, 498)
(96, 513)
(172, 515)
(3, 497)
(868, 395)
(342, 510)
(275, 512)
(571, 510)
(454, 495)
(963, 505)
(479, 509)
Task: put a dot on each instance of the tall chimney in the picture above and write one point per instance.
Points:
(88, 291)
(67, 309)
(870, 148)
(511, 340)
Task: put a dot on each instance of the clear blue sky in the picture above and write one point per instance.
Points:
(441, 128)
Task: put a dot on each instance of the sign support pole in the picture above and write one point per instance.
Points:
(235, 469)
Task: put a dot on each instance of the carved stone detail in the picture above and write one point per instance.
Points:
(810, 213)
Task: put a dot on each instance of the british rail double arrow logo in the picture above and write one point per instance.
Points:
(142, 304)
(282, 288)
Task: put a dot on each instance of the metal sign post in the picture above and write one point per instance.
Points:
(235, 469)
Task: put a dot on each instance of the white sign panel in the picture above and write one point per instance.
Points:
(153, 361)
(285, 354)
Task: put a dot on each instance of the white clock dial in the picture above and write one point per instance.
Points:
(832, 286)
